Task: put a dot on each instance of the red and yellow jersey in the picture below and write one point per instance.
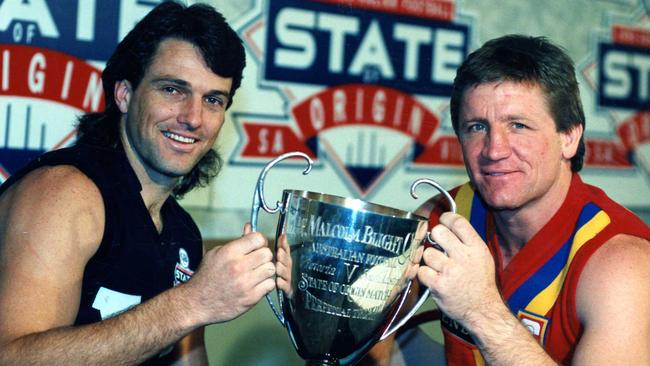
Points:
(539, 284)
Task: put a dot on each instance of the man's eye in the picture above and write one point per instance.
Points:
(519, 125)
(475, 127)
(170, 90)
(215, 101)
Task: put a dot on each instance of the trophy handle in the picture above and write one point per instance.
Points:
(437, 186)
(259, 202)
(425, 294)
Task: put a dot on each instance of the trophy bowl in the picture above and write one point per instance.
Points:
(345, 269)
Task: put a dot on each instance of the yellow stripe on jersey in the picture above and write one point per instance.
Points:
(543, 302)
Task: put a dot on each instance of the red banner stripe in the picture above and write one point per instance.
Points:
(365, 105)
(55, 76)
(266, 140)
(430, 9)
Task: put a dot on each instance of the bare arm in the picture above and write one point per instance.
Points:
(127, 339)
(50, 226)
(616, 321)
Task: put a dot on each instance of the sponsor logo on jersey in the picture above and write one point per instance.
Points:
(182, 271)
(536, 324)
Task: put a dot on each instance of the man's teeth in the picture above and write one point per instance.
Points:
(495, 174)
(179, 138)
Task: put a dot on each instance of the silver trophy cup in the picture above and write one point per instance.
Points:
(345, 268)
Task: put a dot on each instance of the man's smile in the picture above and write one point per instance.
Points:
(179, 138)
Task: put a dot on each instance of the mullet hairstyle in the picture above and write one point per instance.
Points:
(200, 25)
(527, 60)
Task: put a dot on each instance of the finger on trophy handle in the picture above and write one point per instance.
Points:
(259, 202)
(284, 264)
(435, 245)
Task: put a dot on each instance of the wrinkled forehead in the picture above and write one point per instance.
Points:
(534, 87)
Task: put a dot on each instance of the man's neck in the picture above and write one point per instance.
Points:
(156, 189)
(154, 197)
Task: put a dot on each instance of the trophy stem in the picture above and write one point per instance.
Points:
(322, 363)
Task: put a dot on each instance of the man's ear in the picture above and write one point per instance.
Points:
(122, 95)
(571, 140)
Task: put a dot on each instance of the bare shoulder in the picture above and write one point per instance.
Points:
(619, 271)
(51, 223)
(50, 203)
(613, 304)
(620, 254)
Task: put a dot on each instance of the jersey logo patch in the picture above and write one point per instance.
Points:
(535, 323)
(182, 272)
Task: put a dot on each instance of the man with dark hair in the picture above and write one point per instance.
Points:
(537, 267)
(98, 262)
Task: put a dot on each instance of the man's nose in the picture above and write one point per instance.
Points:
(191, 113)
(497, 145)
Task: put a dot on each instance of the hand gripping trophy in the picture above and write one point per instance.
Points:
(345, 268)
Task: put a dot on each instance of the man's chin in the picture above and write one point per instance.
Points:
(174, 173)
(501, 203)
(503, 209)
(177, 174)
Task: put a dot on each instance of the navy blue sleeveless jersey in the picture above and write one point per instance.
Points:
(134, 262)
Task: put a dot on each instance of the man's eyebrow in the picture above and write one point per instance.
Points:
(473, 120)
(225, 93)
(515, 115)
(170, 80)
(184, 83)
(508, 117)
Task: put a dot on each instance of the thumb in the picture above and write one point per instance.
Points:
(247, 228)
